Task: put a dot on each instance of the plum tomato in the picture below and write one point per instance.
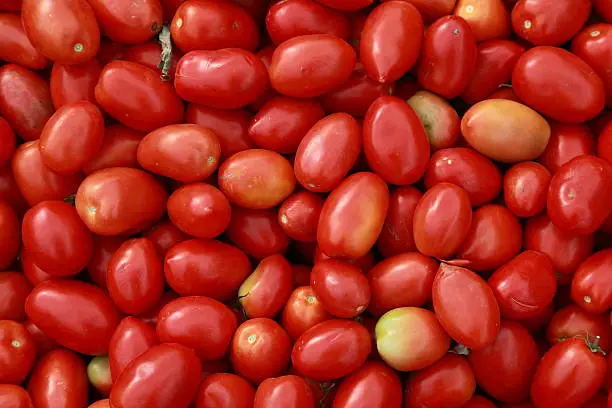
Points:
(604, 144)
(397, 236)
(288, 391)
(592, 284)
(164, 236)
(346, 5)
(131, 338)
(567, 141)
(16, 46)
(103, 250)
(17, 352)
(14, 289)
(73, 83)
(14, 396)
(572, 321)
(119, 149)
(374, 385)
(594, 45)
(302, 311)
(222, 390)
(439, 118)
(128, 22)
(299, 215)
(10, 235)
(525, 188)
(257, 232)
(98, 371)
(8, 140)
(148, 54)
(32, 272)
(488, 19)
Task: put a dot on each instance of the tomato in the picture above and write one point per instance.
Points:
(77, 41)
(128, 22)
(525, 188)
(327, 152)
(16, 46)
(488, 19)
(105, 403)
(568, 375)
(397, 236)
(32, 272)
(265, 56)
(504, 92)
(394, 141)
(549, 22)
(331, 349)
(13, 396)
(604, 144)
(573, 321)
(98, 371)
(591, 287)
(353, 216)
(374, 385)
(410, 338)
(25, 100)
(478, 401)
(391, 41)
(566, 142)
(296, 68)
(59, 380)
(457, 293)
(9, 191)
(225, 391)
(438, 117)
(140, 196)
(299, 215)
(604, 8)
(448, 382)
(302, 311)
(287, 391)
(257, 232)
(594, 45)
(267, 289)
(103, 250)
(164, 376)
(148, 54)
(164, 236)
(17, 352)
(131, 338)
(119, 149)
(260, 349)
(13, 292)
(444, 207)
(346, 5)
(448, 60)
(8, 141)
(73, 83)
(10, 235)
(78, 315)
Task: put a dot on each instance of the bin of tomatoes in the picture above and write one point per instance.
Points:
(305, 203)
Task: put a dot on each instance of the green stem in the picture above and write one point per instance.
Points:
(165, 39)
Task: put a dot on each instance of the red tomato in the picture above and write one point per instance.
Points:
(260, 349)
(72, 83)
(98, 371)
(225, 391)
(257, 232)
(229, 78)
(296, 68)
(17, 352)
(353, 216)
(346, 5)
(8, 141)
(505, 368)
(549, 22)
(331, 349)
(373, 385)
(14, 290)
(25, 100)
(394, 141)
(78, 315)
(131, 338)
(604, 144)
(594, 45)
(396, 236)
(13, 396)
(604, 8)
(573, 321)
(9, 191)
(525, 188)
(128, 22)
(265, 56)
(141, 198)
(103, 250)
(488, 19)
(458, 293)
(327, 152)
(16, 46)
(448, 382)
(59, 380)
(391, 41)
(65, 31)
(165, 376)
(444, 207)
(566, 142)
(448, 60)
(439, 118)
(592, 285)
(10, 236)
(164, 236)
(299, 216)
(302, 311)
(105, 403)
(32, 272)
(119, 149)
(568, 375)
(478, 401)
(148, 54)
(287, 391)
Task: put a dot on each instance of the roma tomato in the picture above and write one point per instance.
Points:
(299, 216)
(302, 311)
(397, 236)
(14, 289)
(373, 385)
(257, 232)
(432, 9)
(164, 236)
(98, 371)
(14, 396)
(73, 83)
(8, 141)
(459, 292)
(353, 216)
(103, 250)
(223, 390)
(128, 22)
(137, 97)
(567, 141)
(288, 391)
(165, 376)
(148, 54)
(594, 45)
(591, 284)
(604, 8)
(444, 207)
(119, 149)
(346, 5)
(77, 315)
(16, 46)
(573, 321)
(65, 31)
(17, 352)
(10, 236)
(438, 117)
(296, 68)
(141, 198)
(131, 338)
(525, 189)
(391, 40)
(488, 19)
(394, 141)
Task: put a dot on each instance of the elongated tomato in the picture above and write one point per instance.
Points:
(16, 47)
(128, 22)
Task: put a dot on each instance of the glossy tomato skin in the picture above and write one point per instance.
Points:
(591, 287)
(59, 380)
(16, 46)
(164, 236)
(438, 117)
(140, 196)
(288, 391)
(103, 250)
(296, 68)
(455, 296)
(78, 315)
(488, 19)
(567, 141)
(32, 272)
(525, 188)
(394, 141)
(391, 41)
(229, 78)
(119, 149)
(72, 83)
(257, 232)
(573, 321)
(137, 97)
(77, 41)
(374, 385)
(131, 338)
(14, 396)
(353, 216)
(349, 349)
(299, 215)
(10, 235)
(397, 236)
(594, 45)
(449, 57)
(128, 22)
(222, 390)
(14, 289)
(302, 311)
(17, 351)
(165, 376)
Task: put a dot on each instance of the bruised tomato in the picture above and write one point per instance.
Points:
(573, 321)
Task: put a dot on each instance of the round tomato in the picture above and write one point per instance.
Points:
(14, 290)
(299, 216)
(302, 311)
(13, 396)
(591, 284)
(73, 83)
(119, 149)
(439, 118)
(257, 232)
(98, 371)
(573, 321)
(223, 390)
(397, 235)
(128, 22)
(525, 188)
(16, 46)
(17, 352)
(288, 391)
(131, 338)
(488, 19)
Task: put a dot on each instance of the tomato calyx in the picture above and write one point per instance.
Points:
(460, 350)
(165, 39)
(592, 342)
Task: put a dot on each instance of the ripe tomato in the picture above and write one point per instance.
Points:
(10, 235)
(260, 349)
(346, 5)
(478, 401)
(373, 385)
(98, 371)
(302, 311)
(397, 236)
(104, 403)
(604, 144)
(488, 19)
(73, 83)
(77, 41)
(296, 68)
(165, 376)
(604, 8)
(257, 232)
(567, 141)
(505, 368)
(17, 352)
(16, 46)
(591, 287)
(32, 272)
(594, 45)
(13, 396)
(9, 191)
(148, 54)
(288, 391)
(299, 216)
(103, 250)
(118, 149)
(59, 380)
(391, 41)
(525, 188)
(438, 117)
(331, 349)
(573, 321)
(128, 22)
(164, 236)
(78, 315)
(131, 338)
(225, 391)
(13, 292)
(8, 141)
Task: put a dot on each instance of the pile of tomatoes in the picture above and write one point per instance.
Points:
(305, 203)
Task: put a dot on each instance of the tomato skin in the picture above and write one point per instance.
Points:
(131, 338)
(343, 345)
(257, 232)
(591, 287)
(299, 216)
(288, 391)
(391, 41)
(128, 22)
(32, 272)
(458, 292)
(353, 216)
(374, 385)
(14, 290)
(16, 46)
(443, 206)
(105, 403)
(8, 142)
(296, 70)
(140, 196)
(594, 45)
(346, 5)
(98, 372)
(223, 390)
(397, 235)
(439, 118)
(229, 78)
(103, 250)
(449, 57)
(573, 321)
(568, 375)
(327, 152)
(14, 396)
(478, 401)
(604, 144)
(165, 376)
(302, 311)
(505, 368)
(72, 83)
(567, 141)
(604, 9)
(525, 188)
(394, 141)
(118, 149)
(17, 351)
(10, 235)
(488, 19)
(59, 380)
(25, 100)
